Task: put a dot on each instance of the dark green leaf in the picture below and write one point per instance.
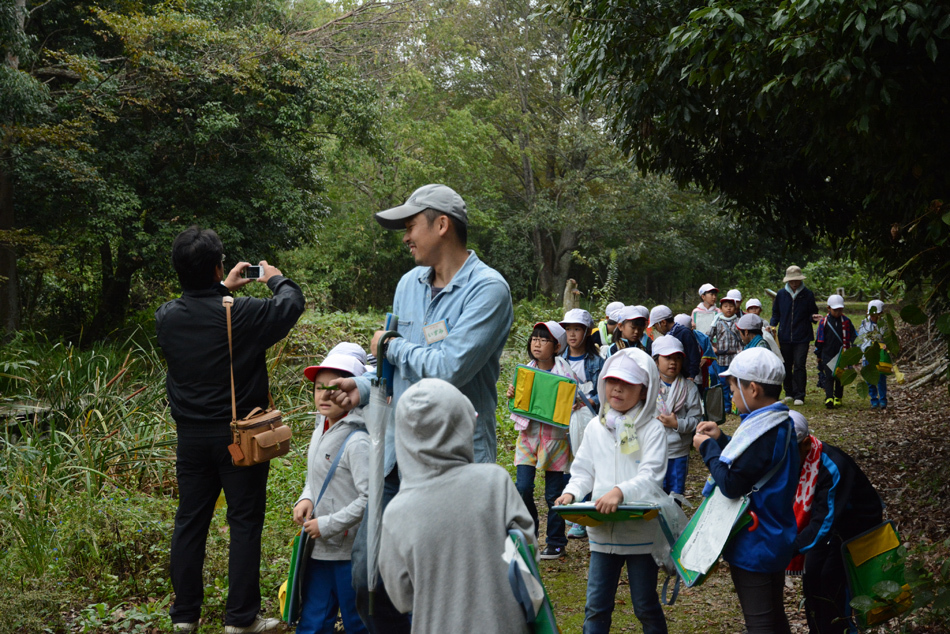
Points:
(862, 389)
(850, 356)
(943, 324)
(862, 603)
(870, 374)
(913, 315)
(848, 377)
(887, 589)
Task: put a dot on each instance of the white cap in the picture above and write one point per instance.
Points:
(684, 320)
(875, 306)
(705, 288)
(666, 345)
(339, 362)
(801, 425)
(835, 301)
(749, 321)
(757, 364)
(633, 312)
(626, 369)
(612, 307)
(753, 302)
(578, 316)
(353, 349)
(616, 314)
(659, 313)
(733, 295)
(556, 331)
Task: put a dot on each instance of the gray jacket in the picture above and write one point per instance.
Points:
(444, 533)
(680, 440)
(341, 507)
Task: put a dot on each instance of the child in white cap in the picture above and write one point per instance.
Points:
(604, 333)
(622, 459)
(679, 409)
(754, 306)
(708, 294)
(542, 446)
(332, 518)
(750, 327)
(632, 330)
(870, 333)
(759, 461)
(725, 340)
(835, 334)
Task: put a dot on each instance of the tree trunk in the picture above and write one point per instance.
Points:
(116, 286)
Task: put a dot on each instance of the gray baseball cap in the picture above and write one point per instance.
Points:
(439, 197)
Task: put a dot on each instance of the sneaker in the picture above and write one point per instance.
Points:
(259, 625)
(829, 403)
(550, 552)
(577, 531)
(837, 402)
(787, 399)
(185, 628)
(799, 401)
(874, 405)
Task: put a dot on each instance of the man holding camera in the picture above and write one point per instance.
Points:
(192, 332)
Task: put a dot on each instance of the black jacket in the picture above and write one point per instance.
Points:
(192, 332)
(845, 503)
(794, 316)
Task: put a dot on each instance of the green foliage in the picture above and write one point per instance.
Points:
(161, 116)
(815, 119)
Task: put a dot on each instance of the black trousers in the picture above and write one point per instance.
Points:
(762, 601)
(795, 355)
(825, 587)
(833, 387)
(204, 468)
(386, 619)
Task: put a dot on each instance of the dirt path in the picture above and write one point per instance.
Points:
(905, 452)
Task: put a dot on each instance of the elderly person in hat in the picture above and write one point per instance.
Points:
(454, 315)
(794, 311)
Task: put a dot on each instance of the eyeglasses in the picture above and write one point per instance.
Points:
(540, 340)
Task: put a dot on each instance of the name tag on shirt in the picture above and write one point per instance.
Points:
(435, 332)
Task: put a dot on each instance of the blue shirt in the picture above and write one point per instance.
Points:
(476, 308)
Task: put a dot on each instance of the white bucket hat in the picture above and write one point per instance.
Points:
(659, 313)
(875, 306)
(733, 295)
(611, 308)
(759, 365)
(633, 312)
(684, 320)
(750, 321)
(578, 316)
(666, 345)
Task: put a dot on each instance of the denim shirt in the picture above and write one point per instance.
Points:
(476, 307)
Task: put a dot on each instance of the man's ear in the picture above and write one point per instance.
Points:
(444, 224)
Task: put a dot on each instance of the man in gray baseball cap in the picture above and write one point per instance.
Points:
(454, 313)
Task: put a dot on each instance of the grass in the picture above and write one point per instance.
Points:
(89, 493)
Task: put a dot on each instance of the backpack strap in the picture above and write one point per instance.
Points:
(333, 465)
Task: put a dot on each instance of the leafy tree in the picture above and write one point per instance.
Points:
(161, 117)
(814, 118)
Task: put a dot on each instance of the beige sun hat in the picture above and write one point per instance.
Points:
(793, 273)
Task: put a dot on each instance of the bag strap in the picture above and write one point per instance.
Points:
(768, 476)
(830, 327)
(228, 301)
(333, 465)
(676, 590)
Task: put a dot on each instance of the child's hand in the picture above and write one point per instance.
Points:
(567, 498)
(609, 502)
(302, 511)
(511, 391)
(708, 429)
(313, 528)
(698, 440)
(668, 420)
(577, 406)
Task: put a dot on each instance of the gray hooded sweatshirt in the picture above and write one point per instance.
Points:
(444, 533)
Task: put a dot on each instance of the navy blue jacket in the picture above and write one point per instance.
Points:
(691, 345)
(769, 547)
(793, 316)
(845, 503)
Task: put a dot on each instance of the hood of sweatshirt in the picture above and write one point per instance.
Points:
(435, 424)
(646, 411)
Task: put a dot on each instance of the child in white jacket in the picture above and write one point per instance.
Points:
(622, 459)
